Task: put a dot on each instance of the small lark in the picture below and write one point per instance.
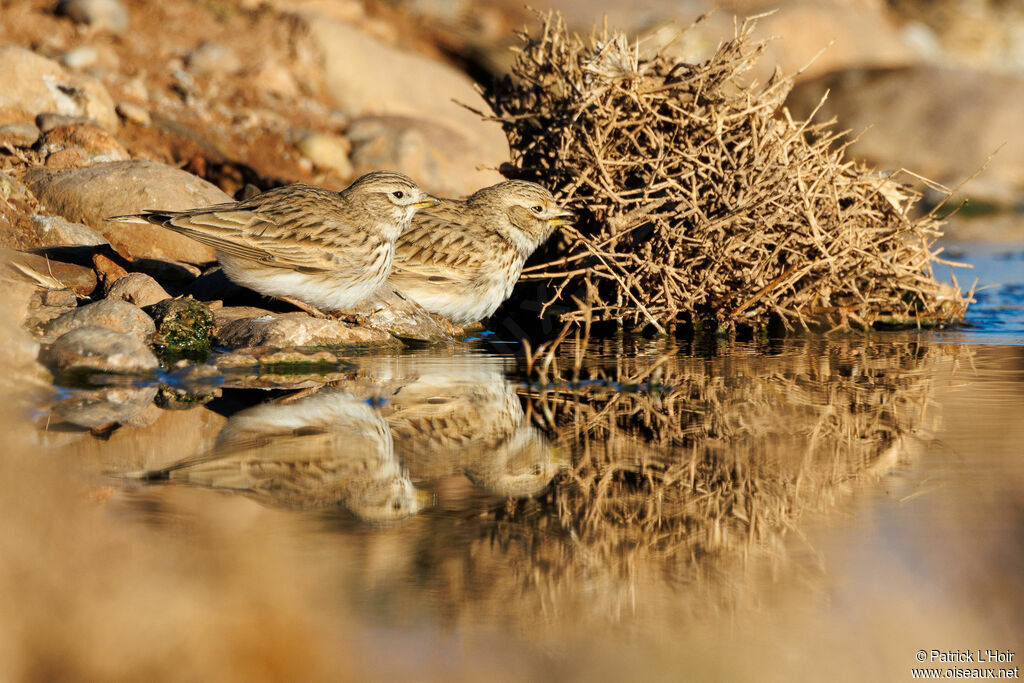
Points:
(462, 258)
(312, 247)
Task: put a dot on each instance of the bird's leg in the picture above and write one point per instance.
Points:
(312, 310)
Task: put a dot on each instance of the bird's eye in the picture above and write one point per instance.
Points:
(397, 194)
(397, 505)
(537, 209)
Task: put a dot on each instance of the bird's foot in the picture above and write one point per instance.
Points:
(311, 310)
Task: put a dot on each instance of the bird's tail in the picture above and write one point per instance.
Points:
(128, 218)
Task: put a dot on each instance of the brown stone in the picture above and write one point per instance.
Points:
(30, 268)
(35, 84)
(108, 270)
(95, 144)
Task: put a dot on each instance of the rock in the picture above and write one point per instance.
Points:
(442, 160)
(99, 407)
(917, 124)
(55, 231)
(47, 121)
(90, 194)
(106, 14)
(273, 77)
(46, 305)
(135, 113)
(34, 84)
(329, 152)
(13, 189)
(294, 368)
(137, 288)
(366, 77)
(170, 398)
(97, 348)
(184, 328)
(37, 269)
(111, 314)
(21, 134)
(95, 144)
(80, 57)
(213, 59)
(107, 269)
(63, 298)
(280, 330)
(389, 311)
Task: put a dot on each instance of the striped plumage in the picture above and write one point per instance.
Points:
(461, 258)
(330, 250)
(327, 449)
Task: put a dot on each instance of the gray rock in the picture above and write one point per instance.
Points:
(99, 349)
(112, 314)
(46, 305)
(280, 330)
(34, 84)
(91, 194)
(107, 14)
(213, 59)
(135, 113)
(55, 231)
(105, 406)
(366, 77)
(21, 134)
(137, 288)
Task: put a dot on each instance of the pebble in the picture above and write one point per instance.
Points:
(117, 316)
(98, 348)
(137, 288)
(107, 14)
(329, 152)
(80, 57)
(49, 120)
(135, 113)
(12, 188)
(213, 59)
(22, 134)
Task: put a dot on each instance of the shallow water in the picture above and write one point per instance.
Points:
(804, 509)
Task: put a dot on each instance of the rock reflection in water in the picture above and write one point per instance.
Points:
(323, 450)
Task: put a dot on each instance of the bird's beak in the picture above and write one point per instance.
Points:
(427, 202)
(562, 217)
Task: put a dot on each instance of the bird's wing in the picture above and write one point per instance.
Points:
(289, 228)
(439, 249)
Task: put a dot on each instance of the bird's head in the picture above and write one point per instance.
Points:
(388, 200)
(529, 208)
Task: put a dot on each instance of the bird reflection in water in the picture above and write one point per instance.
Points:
(323, 450)
(468, 420)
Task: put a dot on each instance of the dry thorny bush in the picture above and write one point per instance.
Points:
(701, 200)
(709, 459)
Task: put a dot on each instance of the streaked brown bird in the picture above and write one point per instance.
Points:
(461, 258)
(327, 449)
(465, 417)
(312, 247)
